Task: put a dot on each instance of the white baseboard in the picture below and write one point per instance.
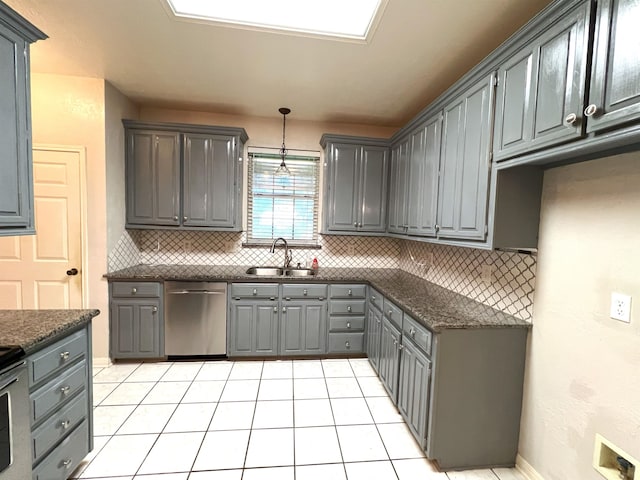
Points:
(526, 469)
(101, 362)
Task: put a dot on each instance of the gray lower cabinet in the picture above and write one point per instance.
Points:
(136, 321)
(183, 176)
(61, 405)
(253, 328)
(356, 185)
(465, 163)
(374, 328)
(16, 181)
(303, 328)
(347, 314)
(614, 97)
(541, 89)
(389, 357)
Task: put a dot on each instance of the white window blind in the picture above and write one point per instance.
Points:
(283, 205)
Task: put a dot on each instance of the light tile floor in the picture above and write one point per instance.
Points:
(254, 420)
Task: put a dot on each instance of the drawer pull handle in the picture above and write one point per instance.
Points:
(571, 119)
(591, 110)
(134, 290)
(347, 344)
(66, 463)
(348, 324)
(373, 298)
(304, 292)
(284, 309)
(65, 424)
(400, 347)
(64, 356)
(320, 298)
(390, 313)
(412, 332)
(349, 309)
(65, 390)
(255, 291)
(350, 293)
(154, 309)
(175, 218)
(275, 309)
(185, 218)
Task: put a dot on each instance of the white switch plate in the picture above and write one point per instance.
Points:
(620, 307)
(187, 246)
(230, 246)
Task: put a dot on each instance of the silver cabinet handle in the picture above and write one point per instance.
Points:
(360, 225)
(134, 290)
(350, 293)
(185, 219)
(378, 320)
(175, 218)
(348, 324)
(255, 292)
(412, 332)
(65, 390)
(390, 312)
(591, 110)
(275, 309)
(349, 309)
(66, 463)
(284, 309)
(571, 119)
(65, 424)
(437, 228)
(64, 356)
(373, 298)
(347, 344)
(355, 224)
(154, 309)
(395, 342)
(400, 347)
(304, 292)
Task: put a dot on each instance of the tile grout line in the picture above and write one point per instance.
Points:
(335, 427)
(255, 407)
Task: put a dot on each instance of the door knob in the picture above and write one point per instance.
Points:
(591, 110)
(571, 119)
(72, 272)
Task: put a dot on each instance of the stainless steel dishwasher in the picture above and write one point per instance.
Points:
(195, 319)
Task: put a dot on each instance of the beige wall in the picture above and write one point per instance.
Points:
(70, 111)
(117, 107)
(583, 369)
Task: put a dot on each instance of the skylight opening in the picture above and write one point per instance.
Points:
(351, 19)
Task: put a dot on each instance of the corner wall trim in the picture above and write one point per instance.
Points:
(526, 469)
(101, 362)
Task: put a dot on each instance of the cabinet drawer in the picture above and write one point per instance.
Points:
(416, 332)
(56, 393)
(60, 463)
(58, 426)
(304, 291)
(348, 291)
(135, 289)
(347, 307)
(375, 299)
(62, 353)
(341, 324)
(254, 290)
(393, 313)
(346, 342)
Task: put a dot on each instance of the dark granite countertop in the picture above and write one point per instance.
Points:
(435, 307)
(33, 329)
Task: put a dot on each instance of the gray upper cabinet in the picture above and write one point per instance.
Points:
(184, 176)
(209, 181)
(614, 97)
(153, 178)
(16, 181)
(465, 163)
(541, 88)
(356, 186)
(397, 216)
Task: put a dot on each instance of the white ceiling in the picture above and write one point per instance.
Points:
(419, 48)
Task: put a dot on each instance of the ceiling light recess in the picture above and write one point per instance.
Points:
(352, 19)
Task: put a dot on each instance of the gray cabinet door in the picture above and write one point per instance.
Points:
(422, 199)
(153, 178)
(465, 164)
(397, 211)
(372, 201)
(253, 329)
(541, 89)
(374, 327)
(389, 357)
(303, 328)
(209, 183)
(343, 188)
(135, 330)
(413, 390)
(615, 76)
(16, 192)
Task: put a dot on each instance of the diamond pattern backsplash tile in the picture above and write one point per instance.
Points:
(502, 280)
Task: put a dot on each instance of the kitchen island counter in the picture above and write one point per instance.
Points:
(435, 307)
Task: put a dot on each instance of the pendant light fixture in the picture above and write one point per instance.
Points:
(283, 169)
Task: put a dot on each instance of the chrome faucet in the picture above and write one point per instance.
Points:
(287, 251)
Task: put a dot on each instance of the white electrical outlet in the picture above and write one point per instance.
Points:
(187, 246)
(486, 274)
(351, 250)
(620, 307)
(229, 246)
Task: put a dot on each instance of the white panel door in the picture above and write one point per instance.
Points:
(34, 269)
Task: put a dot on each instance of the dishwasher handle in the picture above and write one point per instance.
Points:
(197, 292)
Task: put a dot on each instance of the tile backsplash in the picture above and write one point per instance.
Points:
(502, 280)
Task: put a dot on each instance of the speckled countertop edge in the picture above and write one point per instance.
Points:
(33, 329)
(431, 305)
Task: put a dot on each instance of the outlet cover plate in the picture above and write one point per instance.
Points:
(620, 307)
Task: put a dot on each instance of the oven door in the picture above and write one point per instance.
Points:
(15, 427)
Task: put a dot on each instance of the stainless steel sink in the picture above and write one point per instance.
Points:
(265, 271)
(299, 272)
